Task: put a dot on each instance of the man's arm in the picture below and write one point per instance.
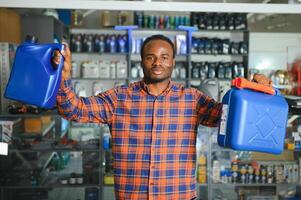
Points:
(97, 109)
(209, 111)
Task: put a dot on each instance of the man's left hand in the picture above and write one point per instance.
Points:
(262, 79)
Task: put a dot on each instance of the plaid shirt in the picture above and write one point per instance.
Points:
(153, 137)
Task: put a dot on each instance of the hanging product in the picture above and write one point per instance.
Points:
(254, 118)
(34, 78)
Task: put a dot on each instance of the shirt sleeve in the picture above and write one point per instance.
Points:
(209, 111)
(94, 109)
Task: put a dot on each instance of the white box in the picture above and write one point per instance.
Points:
(90, 69)
(8, 126)
(7, 55)
(121, 68)
(82, 133)
(104, 68)
(113, 69)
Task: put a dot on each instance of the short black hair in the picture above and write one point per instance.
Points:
(158, 37)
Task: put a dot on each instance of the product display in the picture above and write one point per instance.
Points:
(222, 70)
(99, 43)
(219, 21)
(160, 22)
(216, 46)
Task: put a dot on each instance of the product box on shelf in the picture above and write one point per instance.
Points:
(7, 54)
(90, 69)
(10, 26)
(121, 69)
(8, 127)
(104, 69)
(36, 124)
(80, 89)
(82, 133)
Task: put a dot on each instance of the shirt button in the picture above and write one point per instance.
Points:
(151, 184)
(152, 166)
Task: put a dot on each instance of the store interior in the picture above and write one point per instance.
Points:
(52, 158)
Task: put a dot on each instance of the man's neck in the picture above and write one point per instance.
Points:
(156, 88)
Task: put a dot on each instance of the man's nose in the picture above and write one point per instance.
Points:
(157, 61)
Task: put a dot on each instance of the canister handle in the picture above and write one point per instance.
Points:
(244, 83)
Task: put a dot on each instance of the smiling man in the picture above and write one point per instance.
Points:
(153, 125)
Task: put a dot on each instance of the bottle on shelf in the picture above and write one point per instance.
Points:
(257, 175)
(202, 172)
(250, 174)
(243, 171)
(234, 169)
(270, 175)
(216, 172)
(263, 174)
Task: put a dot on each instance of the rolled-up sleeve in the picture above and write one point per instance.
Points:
(209, 111)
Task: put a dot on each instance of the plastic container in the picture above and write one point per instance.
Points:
(254, 118)
(34, 79)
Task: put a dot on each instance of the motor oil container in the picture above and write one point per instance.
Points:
(254, 118)
(34, 79)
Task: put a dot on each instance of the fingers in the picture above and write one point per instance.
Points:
(262, 79)
(56, 57)
(66, 52)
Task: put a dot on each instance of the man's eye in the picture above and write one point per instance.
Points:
(149, 58)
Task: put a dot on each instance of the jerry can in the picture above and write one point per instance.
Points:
(34, 79)
(253, 118)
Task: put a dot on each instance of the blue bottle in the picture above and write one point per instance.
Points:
(34, 79)
(252, 119)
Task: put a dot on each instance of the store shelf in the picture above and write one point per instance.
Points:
(51, 186)
(45, 129)
(43, 113)
(253, 185)
(210, 54)
(222, 150)
(100, 79)
(108, 185)
(99, 54)
(202, 184)
(48, 147)
(148, 31)
(231, 150)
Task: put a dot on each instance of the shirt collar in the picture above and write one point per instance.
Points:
(144, 87)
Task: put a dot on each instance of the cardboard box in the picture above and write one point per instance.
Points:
(10, 24)
(8, 126)
(33, 125)
(284, 156)
(7, 55)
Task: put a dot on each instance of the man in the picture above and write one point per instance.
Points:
(153, 125)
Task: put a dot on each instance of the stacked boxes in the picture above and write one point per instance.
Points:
(7, 54)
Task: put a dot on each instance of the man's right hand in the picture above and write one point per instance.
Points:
(66, 72)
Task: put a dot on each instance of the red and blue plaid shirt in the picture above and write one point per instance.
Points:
(153, 137)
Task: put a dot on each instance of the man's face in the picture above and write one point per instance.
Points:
(157, 61)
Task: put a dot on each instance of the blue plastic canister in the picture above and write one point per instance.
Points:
(253, 120)
(34, 79)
